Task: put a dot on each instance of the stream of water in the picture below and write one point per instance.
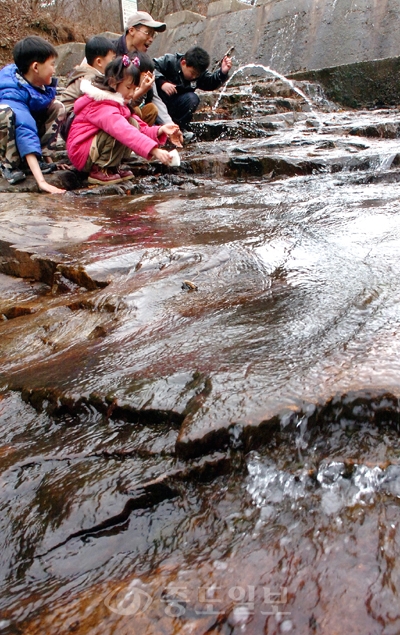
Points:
(224, 459)
(269, 71)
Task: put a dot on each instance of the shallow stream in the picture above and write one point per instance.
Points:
(223, 459)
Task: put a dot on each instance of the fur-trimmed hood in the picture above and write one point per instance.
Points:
(100, 94)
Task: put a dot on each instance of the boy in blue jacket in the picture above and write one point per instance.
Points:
(29, 113)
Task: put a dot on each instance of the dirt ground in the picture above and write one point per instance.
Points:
(18, 21)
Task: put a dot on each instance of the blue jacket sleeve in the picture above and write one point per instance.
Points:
(26, 132)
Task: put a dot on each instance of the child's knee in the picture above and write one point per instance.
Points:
(56, 110)
(133, 122)
(60, 109)
(149, 114)
(6, 116)
(194, 98)
(193, 101)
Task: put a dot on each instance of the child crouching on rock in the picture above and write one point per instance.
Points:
(30, 115)
(104, 132)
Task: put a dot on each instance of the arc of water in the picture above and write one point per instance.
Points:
(267, 69)
(386, 161)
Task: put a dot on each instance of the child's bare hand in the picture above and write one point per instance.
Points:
(168, 88)
(50, 189)
(173, 133)
(33, 163)
(226, 65)
(168, 128)
(177, 138)
(161, 155)
(147, 80)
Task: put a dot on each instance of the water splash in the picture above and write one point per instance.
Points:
(386, 161)
(340, 485)
(267, 69)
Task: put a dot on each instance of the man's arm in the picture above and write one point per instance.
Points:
(163, 114)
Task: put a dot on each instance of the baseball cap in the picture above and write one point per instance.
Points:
(141, 17)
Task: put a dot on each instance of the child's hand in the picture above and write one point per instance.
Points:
(177, 138)
(146, 81)
(173, 133)
(50, 189)
(168, 88)
(226, 65)
(33, 163)
(161, 155)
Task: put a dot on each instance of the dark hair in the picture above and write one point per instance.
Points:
(32, 49)
(197, 58)
(119, 69)
(146, 63)
(98, 46)
(135, 26)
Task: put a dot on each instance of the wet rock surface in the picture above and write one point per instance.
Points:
(199, 384)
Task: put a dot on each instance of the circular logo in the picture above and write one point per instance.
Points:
(133, 601)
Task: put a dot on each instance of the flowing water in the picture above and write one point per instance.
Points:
(215, 458)
(268, 71)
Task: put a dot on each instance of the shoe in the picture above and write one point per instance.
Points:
(102, 176)
(12, 176)
(126, 175)
(189, 136)
(47, 168)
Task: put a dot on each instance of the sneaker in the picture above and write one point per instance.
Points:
(47, 168)
(102, 176)
(188, 137)
(125, 175)
(12, 176)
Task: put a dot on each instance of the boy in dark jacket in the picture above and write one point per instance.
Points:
(29, 112)
(178, 76)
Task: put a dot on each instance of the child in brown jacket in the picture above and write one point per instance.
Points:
(98, 51)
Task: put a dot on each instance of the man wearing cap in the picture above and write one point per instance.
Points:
(139, 33)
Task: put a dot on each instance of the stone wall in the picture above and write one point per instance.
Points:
(290, 35)
(361, 85)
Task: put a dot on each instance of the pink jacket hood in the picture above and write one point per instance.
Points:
(99, 110)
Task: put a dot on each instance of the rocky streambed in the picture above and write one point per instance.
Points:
(199, 382)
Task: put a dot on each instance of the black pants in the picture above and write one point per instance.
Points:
(181, 107)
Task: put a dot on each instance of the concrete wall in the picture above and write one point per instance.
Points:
(295, 35)
(360, 85)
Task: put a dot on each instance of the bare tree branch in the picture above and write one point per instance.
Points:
(160, 8)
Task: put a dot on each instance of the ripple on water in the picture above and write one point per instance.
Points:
(298, 287)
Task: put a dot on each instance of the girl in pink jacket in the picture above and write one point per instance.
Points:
(104, 131)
